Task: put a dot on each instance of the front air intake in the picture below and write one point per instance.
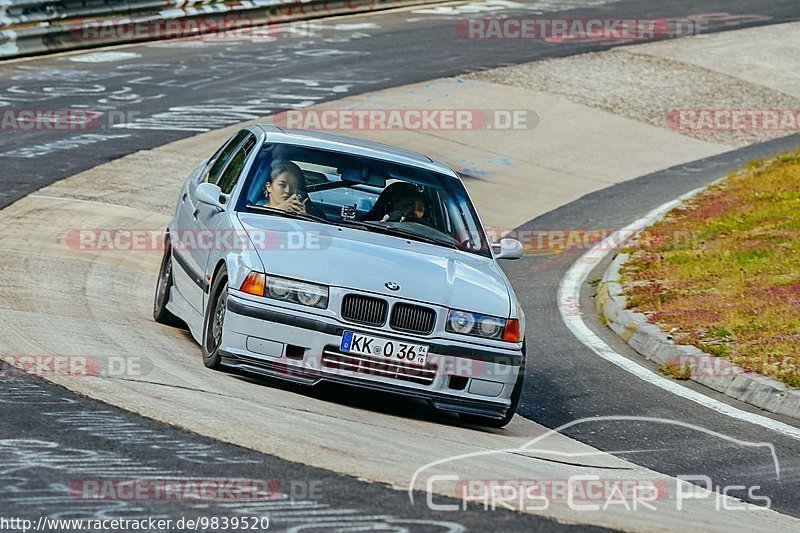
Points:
(364, 309)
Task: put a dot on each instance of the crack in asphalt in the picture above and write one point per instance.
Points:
(569, 463)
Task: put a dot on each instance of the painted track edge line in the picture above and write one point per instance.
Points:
(569, 309)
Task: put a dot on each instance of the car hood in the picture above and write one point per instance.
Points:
(357, 259)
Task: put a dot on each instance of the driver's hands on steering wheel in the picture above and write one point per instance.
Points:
(401, 216)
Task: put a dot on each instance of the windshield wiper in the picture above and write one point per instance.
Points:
(287, 214)
(392, 230)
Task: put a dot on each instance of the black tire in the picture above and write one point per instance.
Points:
(163, 288)
(516, 394)
(214, 321)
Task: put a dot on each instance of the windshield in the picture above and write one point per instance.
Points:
(364, 193)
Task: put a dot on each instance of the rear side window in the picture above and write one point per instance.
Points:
(223, 155)
(232, 172)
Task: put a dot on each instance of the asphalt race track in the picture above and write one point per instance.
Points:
(94, 440)
(173, 90)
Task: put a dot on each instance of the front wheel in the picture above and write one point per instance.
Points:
(161, 314)
(214, 322)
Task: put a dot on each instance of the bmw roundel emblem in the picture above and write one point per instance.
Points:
(392, 286)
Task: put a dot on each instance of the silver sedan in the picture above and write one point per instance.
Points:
(314, 257)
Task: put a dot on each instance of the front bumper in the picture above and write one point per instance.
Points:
(304, 348)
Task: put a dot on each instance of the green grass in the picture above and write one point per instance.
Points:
(676, 372)
(723, 271)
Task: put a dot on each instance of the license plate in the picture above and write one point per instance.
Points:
(390, 350)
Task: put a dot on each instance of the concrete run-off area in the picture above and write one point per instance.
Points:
(752, 70)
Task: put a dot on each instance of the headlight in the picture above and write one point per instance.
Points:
(490, 327)
(460, 322)
(487, 327)
(312, 296)
(297, 291)
(280, 289)
(287, 290)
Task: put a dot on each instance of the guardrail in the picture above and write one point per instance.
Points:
(30, 27)
(15, 12)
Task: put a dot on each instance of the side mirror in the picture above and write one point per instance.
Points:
(507, 249)
(209, 194)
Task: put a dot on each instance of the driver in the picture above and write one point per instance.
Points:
(406, 207)
(399, 202)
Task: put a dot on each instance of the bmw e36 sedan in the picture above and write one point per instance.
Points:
(314, 257)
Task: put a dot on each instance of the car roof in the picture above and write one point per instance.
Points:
(363, 147)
